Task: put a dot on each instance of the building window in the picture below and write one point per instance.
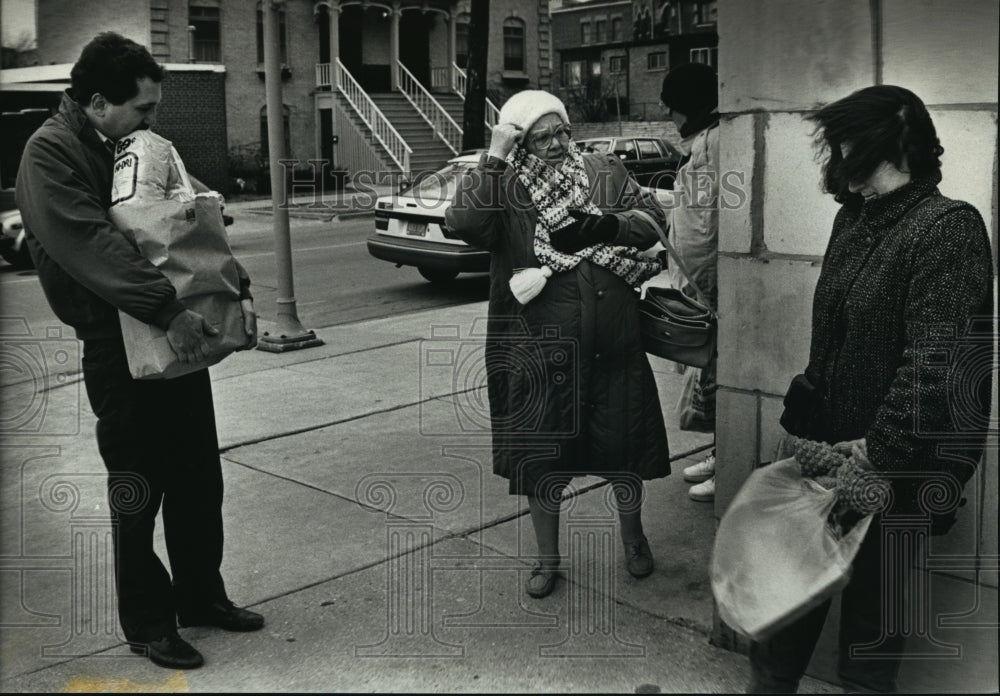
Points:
(708, 56)
(513, 45)
(657, 61)
(600, 31)
(572, 73)
(585, 37)
(462, 41)
(282, 37)
(616, 29)
(265, 142)
(706, 12)
(616, 64)
(207, 33)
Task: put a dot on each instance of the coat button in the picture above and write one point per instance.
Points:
(600, 293)
(597, 356)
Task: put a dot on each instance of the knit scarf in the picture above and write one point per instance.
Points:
(553, 191)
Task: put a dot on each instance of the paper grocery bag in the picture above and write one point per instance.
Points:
(150, 355)
(187, 242)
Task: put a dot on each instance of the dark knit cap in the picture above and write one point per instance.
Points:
(691, 88)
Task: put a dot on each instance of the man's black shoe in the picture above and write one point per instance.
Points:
(224, 615)
(170, 651)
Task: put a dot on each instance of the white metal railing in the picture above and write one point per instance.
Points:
(458, 83)
(441, 78)
(372, 116)
(356, 152)
(428, 107)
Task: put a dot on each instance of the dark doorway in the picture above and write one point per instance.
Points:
(415, 44)
(323, 22)
(351, 21)
(326, 137)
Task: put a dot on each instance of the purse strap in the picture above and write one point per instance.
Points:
(677, 259)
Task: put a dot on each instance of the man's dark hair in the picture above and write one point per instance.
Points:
(112, 65)
(878, 124)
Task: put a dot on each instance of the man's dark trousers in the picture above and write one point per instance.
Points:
(159, 444)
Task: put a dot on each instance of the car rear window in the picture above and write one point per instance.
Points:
(440, 185)
(650, 149)
(627, 148)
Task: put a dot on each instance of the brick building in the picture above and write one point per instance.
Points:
(613, 55)
(221, 43)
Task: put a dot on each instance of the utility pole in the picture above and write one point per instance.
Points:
(289, 334)
(474, 113)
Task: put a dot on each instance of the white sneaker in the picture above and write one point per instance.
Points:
(702, 471)
(703, 492)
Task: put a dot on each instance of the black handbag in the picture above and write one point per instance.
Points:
(675, 326)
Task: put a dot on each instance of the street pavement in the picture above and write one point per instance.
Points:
(363, 520)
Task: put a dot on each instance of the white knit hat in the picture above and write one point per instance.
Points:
(527, 106)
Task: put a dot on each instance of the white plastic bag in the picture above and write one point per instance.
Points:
(775, 556)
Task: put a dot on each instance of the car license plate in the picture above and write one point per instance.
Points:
(416, 229)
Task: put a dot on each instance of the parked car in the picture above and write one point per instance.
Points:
(653, 161)
(410, 229)
(12, 247)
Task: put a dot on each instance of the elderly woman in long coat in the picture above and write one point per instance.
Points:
(571, 391)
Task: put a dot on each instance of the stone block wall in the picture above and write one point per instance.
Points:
(779, 61)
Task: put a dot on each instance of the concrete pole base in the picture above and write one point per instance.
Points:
(286, 341)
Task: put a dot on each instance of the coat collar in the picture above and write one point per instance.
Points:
(882, 212)
(75, 118)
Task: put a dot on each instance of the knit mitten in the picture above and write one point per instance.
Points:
(817, 459)
(859, 486)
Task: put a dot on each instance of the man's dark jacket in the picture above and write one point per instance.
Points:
(88, 269)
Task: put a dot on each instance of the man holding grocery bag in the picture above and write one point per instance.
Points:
(157, 437)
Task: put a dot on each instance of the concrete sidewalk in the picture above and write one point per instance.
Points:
(363, 520)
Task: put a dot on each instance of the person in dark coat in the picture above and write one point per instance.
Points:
(899, 368)
(571, 391)
(157, 437)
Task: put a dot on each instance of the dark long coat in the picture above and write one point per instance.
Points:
(902, 335)
(570, 389)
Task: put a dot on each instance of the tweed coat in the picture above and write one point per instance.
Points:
(902, 334)
(570, 388)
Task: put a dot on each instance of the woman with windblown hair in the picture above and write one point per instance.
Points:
(899, 375)
(571, 391)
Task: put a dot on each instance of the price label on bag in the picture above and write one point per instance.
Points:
(123, 181)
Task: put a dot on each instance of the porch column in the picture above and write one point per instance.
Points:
(394, 16)
(452, 16)
(334, 15)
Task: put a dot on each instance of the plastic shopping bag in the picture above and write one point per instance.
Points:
(183, 235)
(776, 556)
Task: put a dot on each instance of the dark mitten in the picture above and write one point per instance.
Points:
(817, 459)
(859, 486)
(585, 230)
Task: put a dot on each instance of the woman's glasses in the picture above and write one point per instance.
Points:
(543, 141)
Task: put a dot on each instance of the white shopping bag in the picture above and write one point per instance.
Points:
(776, 556)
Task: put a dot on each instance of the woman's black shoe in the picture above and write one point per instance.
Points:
(224, 615)
(638, 558)
(170, 651)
